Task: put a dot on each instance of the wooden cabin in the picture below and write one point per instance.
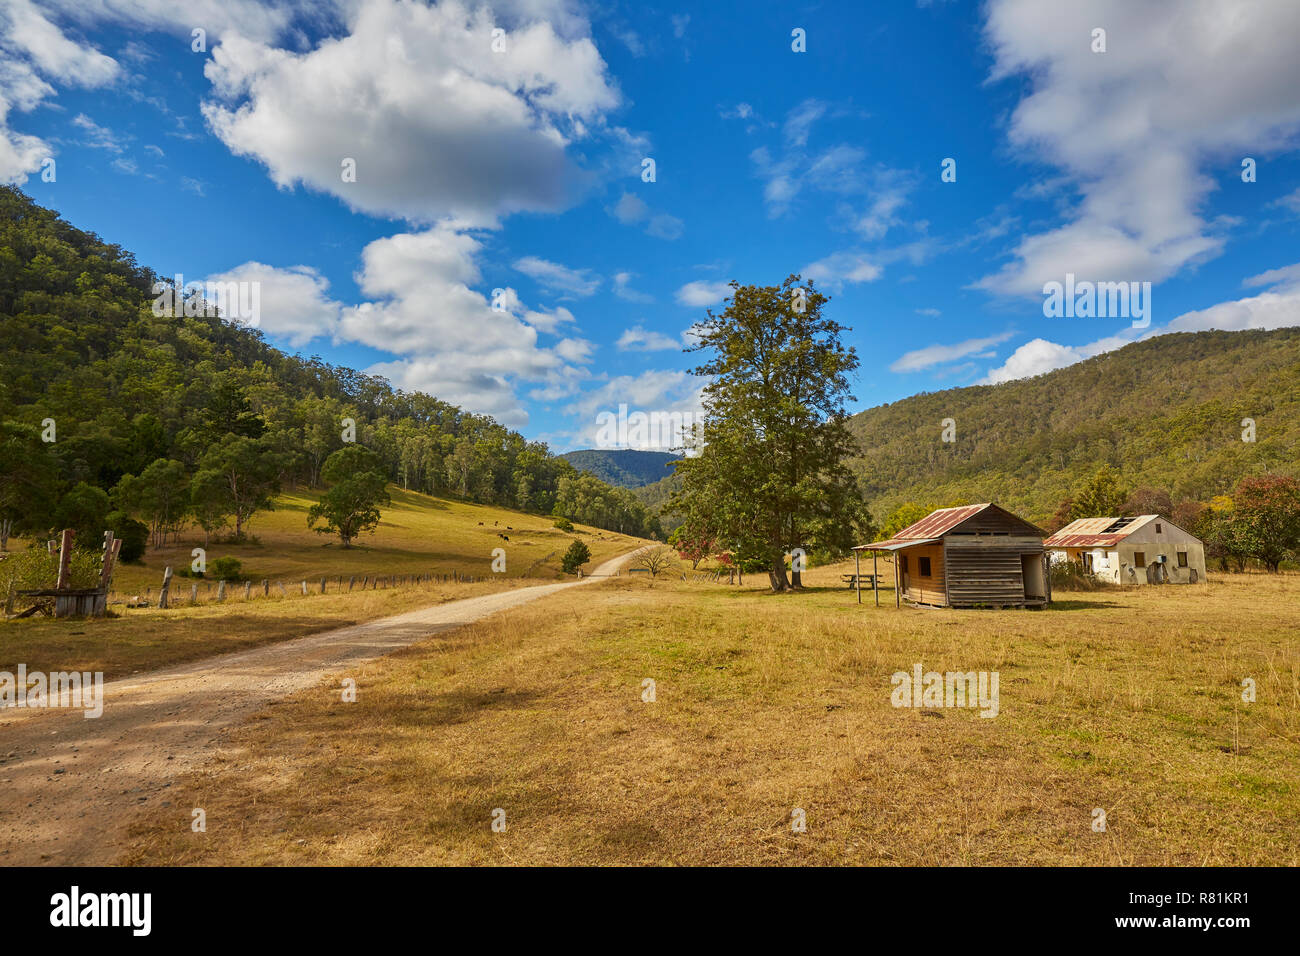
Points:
(1147, 549)
(972, 556)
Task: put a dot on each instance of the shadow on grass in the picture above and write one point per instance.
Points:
(1080, 605)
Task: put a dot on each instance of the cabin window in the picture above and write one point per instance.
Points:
(923, 567)
(1157, 527)
(1140, 559)
(1182, 559)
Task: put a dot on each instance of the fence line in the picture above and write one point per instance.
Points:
(337, 584)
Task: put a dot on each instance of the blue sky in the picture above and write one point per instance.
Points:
(519, 169)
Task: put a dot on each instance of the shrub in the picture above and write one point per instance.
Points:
(564, 524)
(134, 535)
(226, 569)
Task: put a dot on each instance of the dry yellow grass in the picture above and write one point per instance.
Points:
(418, 535)
(1129, 701)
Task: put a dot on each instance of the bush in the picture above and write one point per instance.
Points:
(134, 535)
(37, 569)
(564, 524)
(1070, 576)
(577, 555)
(226, 569)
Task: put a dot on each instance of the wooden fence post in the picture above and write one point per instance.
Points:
(266, 587)
(322, 585)
(248, 589)
(304, 588)
(221, 590)
(194, 593)
(165, 593)
(65, 558)
(351, 581)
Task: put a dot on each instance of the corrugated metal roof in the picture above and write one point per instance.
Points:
(893, 544)
(938, 523)
(1094, 532)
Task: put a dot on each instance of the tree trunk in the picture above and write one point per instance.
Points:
(776, 575)
(796, 579)
(5, 525)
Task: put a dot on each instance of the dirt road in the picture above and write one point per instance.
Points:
(69, 786)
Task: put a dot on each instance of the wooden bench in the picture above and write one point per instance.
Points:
(851, 580)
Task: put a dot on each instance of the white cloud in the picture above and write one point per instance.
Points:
(558, 278)
(623, 288)
(1279, 307)
(34, 50)
(799, 122)
(632, 210)
(841, 267)
(1135, 126)
(653, 391)
(494, 144)
(294, 302)
(680, 22)
(640, 339)
(931, 355)
(703, 293)
(930, 312)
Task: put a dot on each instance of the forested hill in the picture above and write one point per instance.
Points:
(79, 344)
(625, 467)
(1166, 413)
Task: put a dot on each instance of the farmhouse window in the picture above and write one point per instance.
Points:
(1157, 527)
(923, 567)
(1140, 559)
(1182, 559)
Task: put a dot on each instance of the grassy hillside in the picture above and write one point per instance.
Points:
(624, 467)
(1166, 412)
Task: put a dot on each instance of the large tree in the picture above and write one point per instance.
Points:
(237, 477)
(350, 506)
(1266, 518)
(770, 457)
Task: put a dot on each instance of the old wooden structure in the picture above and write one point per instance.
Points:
(1146, 549)
(972, 556)
(65, 601)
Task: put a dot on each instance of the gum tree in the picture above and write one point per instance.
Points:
(772, 451)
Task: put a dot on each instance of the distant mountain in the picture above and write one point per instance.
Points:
(624, 467)
(1166, 412)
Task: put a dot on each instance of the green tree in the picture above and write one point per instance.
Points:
(577, 555)
(771, 462)
(84, 509)
(350, 506)
(903, 516)
(1266, 518)
(161, 493)
(238, 476)
(1102, 495)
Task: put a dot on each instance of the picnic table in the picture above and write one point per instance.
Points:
(851, 580)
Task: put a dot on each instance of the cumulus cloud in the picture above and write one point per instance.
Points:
(33, 51)
(1277, 307)
(703, 293)
(1134, 127)
(294, 302)
(665, 393)
(495, 144)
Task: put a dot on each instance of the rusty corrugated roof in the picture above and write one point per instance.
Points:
(1093, 533)
(932, 527)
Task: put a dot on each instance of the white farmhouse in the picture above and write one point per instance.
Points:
(1147, 549)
